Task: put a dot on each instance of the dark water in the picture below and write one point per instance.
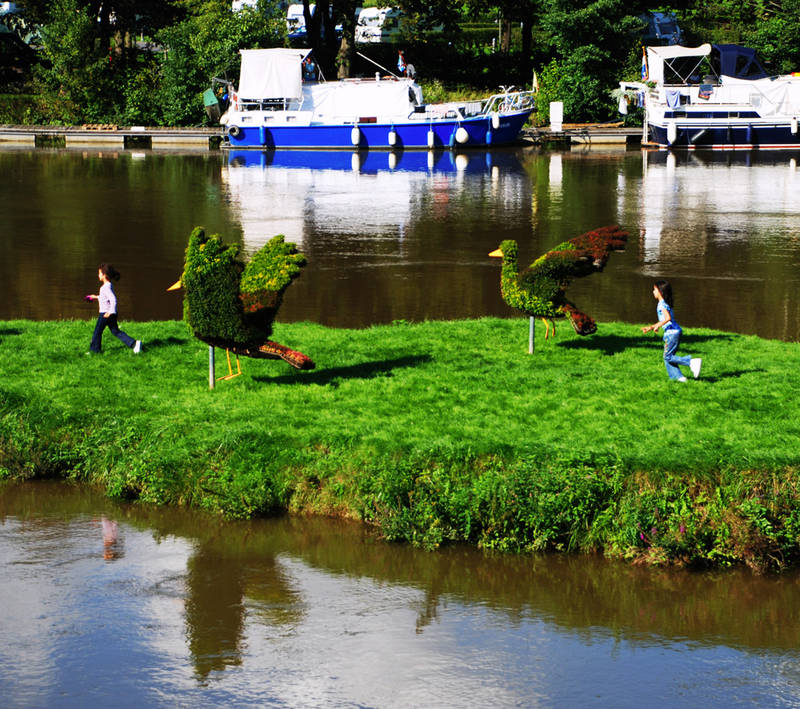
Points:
(406, 237)
(110, 605)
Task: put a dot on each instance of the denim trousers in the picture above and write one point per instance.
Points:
(671, 360)
(109, 322)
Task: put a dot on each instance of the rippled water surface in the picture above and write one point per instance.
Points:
(110, 605)
(407, 236)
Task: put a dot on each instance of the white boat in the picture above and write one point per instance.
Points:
(274, 107)
(714, 96)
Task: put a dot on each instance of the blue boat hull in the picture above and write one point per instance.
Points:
(728, 137)
(411, 135)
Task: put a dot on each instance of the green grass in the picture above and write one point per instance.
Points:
(434, 431)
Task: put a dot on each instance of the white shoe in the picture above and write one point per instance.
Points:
(695, 365)
(137, 347)
(681, 379)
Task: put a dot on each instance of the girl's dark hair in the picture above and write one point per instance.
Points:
(110, 272)
(665, 289)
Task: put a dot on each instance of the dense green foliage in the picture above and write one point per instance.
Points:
(211, 304)
(433, 432)
(229, 302)
(148, 62)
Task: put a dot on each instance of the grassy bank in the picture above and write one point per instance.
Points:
(433, 432)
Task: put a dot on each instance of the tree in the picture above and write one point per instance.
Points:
(591, 42)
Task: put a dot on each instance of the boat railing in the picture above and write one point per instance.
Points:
(509, 102)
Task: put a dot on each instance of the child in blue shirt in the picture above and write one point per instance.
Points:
(662, 292)
(107, 302)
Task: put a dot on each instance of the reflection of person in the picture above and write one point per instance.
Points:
(662, 292)
(107, 301)
(110, 539)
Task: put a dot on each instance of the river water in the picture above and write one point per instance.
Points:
(105, 604)
(112, 605)
(407, 236)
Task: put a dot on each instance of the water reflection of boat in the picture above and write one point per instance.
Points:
(290, 192)
(728, 197)
(372, 162)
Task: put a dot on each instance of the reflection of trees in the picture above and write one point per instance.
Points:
(224, 583)
(214, 611)
(74, 209)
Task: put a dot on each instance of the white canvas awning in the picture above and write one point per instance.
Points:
(657, 57)
(271, 73)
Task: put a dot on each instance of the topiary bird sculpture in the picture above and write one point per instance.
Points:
(540, 291)
(231, 305)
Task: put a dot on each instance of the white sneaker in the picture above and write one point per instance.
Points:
(137, 347)
(681, 379)
(695, 365)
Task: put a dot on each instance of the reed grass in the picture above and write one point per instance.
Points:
(433, 431)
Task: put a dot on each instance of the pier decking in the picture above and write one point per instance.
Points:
(105, 136)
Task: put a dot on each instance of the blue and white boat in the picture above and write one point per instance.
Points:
(274, 107)
(715, 97)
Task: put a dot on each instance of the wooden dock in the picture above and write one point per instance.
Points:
(586, 135)
(111, 137)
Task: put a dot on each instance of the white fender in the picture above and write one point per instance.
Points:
(672, 133)
(355, 135)
(462, 161)
(392, 138)
(495, 120)
(461, 135)
(392, 161)
(793, 127)
(430, 139)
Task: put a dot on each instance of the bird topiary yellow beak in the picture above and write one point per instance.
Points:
(176, 286)
(496, 254)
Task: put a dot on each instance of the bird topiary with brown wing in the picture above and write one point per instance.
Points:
(231, 305)
(540, 291)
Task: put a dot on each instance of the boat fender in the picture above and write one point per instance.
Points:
(355, 135)
(489, 137)
(392, 139)
(672, 133)
(461, 135)
(392, 161)
(431, 138)
(262, 135)
(452, 140)
(749, 133)
(794, 126)
(234, 131)
(495, 120)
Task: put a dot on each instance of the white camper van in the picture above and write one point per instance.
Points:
(378, 24)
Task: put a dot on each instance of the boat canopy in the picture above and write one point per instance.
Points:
(740, 62)
(271, 73)
(682, 62)
(350, 99)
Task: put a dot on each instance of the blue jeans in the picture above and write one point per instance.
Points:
(111, 323)
(671, 360)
